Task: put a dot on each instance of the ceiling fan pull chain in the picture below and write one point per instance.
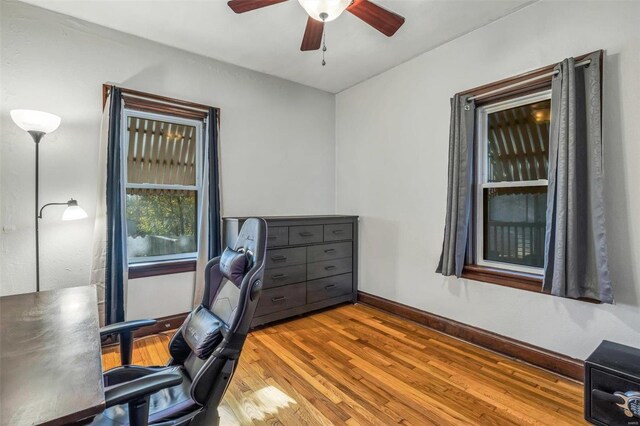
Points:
(324, 46)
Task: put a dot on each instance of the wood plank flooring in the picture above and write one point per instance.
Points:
(356, 365)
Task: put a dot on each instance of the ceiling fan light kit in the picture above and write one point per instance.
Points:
(321, 11)
(324, 10)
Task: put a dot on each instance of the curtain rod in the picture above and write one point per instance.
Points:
(520, 83)
(157, 98)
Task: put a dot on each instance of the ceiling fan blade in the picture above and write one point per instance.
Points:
(312, 35)
(241, 6)
(379, 18)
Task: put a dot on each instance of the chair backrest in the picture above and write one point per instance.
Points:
(233, 283)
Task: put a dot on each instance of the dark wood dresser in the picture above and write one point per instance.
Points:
(312, 263)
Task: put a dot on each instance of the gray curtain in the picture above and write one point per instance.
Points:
(576, 260)
(116, 264)
(459, 188)
(210, 239)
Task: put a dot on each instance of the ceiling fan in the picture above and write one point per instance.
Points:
(321, 11)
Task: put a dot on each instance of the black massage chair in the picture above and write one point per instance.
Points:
(204, 351)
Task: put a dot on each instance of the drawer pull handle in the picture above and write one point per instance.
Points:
(272, 237)
(306, 234)
(278, 299)
(330, 267)
(329, 250)
(279, 276)
(330, 286)
(279, 258)
(338, 231)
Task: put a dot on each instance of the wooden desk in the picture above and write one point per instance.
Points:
(50, 359)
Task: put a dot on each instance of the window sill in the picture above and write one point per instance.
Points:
(520, 280)
(143, 270)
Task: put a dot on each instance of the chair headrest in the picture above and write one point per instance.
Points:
(233, 265)
(252, 238)
(250, 245)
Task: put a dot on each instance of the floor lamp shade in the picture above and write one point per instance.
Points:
(35, 121)
(73, 212)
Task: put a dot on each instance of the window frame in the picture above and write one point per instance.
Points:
(180, 258)
(481, 179)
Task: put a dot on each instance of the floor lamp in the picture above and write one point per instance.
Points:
(38, 124)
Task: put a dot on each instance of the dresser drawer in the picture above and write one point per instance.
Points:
(286, 257)
(329, 251)
(277, 236)
(329, 268)
(281, 298)
(282, 276)
(339, 232)
(305, 234)
(328, 288)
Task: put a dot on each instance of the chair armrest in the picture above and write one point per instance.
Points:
(136, 395)
(125, 331)
(121, 327)
(140, 388)
(127, 373)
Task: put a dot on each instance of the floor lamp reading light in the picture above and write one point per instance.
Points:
(38, 124)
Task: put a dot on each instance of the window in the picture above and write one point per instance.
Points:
(511, 186)
(163, 185)
(510, 121)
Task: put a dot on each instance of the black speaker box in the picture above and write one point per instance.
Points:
(612, 385)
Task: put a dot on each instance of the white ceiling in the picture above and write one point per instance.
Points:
(268, 39)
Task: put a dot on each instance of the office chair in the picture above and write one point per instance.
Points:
(204, 351)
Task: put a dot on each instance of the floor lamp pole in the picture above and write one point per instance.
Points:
(37, 136)
(37, 124)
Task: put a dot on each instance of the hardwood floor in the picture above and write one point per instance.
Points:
(358, 365)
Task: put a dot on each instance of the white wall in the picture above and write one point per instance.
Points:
(277, 141)
(392, 141)
(175, 292)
